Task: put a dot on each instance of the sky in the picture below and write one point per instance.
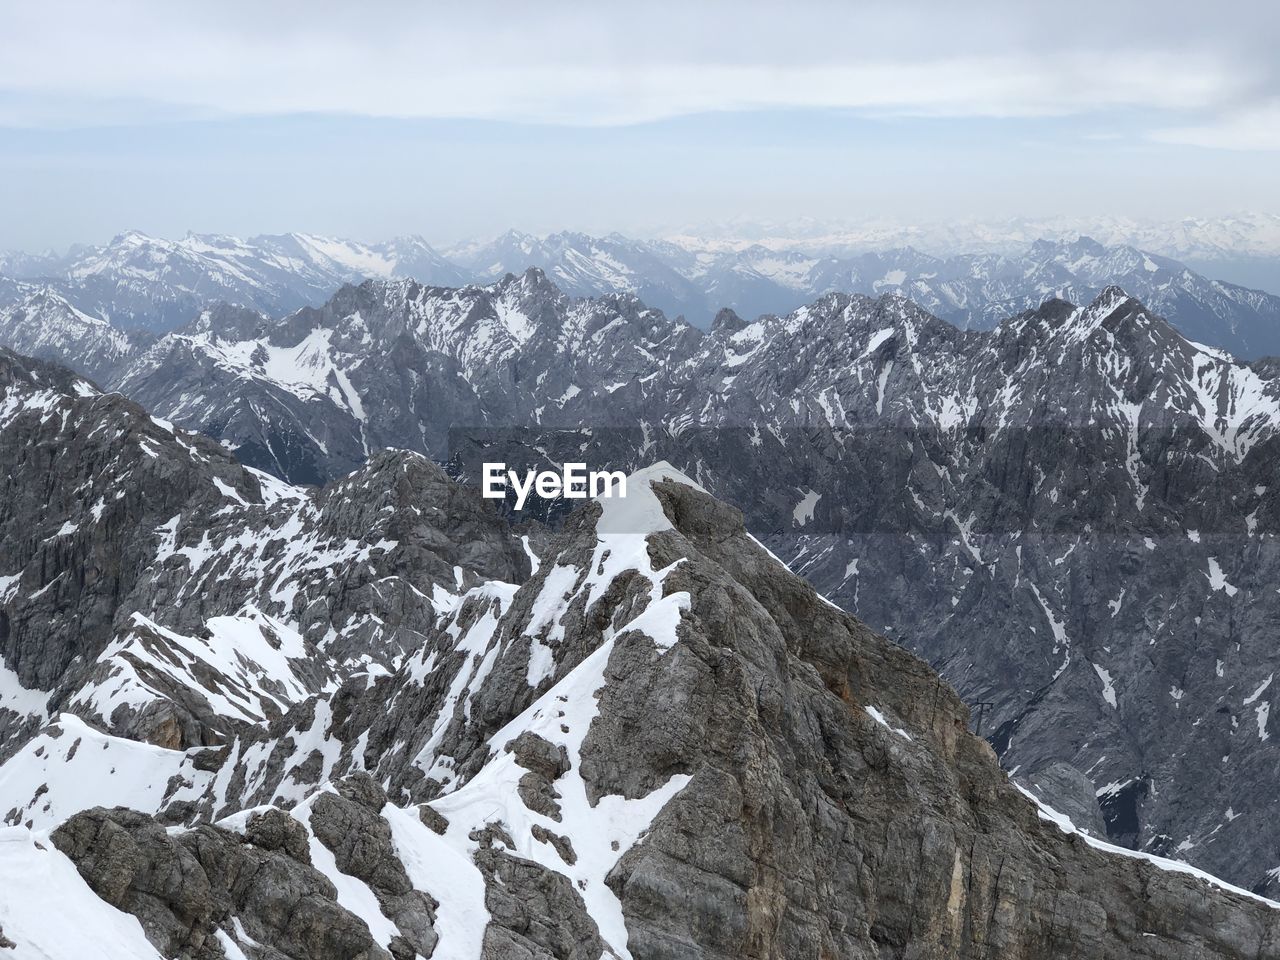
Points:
(455, 120)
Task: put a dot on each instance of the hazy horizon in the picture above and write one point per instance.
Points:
(940, 237)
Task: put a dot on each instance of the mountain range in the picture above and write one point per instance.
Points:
(1205, 239)
(137, 282)
(374, 720)
(142, 283)
(1072, 516)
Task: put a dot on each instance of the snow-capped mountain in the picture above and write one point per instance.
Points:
(137, 281)
(981, 290)
(44, 324)
(1247, 234)
(374, 722)
(395, 363)
(970, 290)
(1073, 516)
(586, 266)
(977, 492)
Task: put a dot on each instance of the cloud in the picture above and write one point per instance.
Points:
(82, 63)
(1255, 128)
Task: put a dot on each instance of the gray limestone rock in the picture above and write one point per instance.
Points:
(535, 914)
(184, 888)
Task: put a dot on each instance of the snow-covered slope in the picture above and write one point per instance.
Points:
(34, 875)
(232, 596)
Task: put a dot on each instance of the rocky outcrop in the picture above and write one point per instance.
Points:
(1071, 793)
(194, 892)
(89, 479)
(838, 806)
(347, 822)
(535, 913)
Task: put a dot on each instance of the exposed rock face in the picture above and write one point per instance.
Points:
(796, 779)
(397, 363)
(360, 840)
(1072, 793)
(535, 913)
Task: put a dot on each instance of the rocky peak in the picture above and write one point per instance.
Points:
(64, 547)
(45, 324)
(229, 321)
(727, 321)
(1081, 246)
(29, 374)
(533, 284)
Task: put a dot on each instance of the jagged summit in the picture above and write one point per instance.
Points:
(727, 321)
(396, 363)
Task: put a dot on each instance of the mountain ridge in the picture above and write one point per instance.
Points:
(158, 284)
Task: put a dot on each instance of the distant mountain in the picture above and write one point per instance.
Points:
(1230, 237)
(1234, 236)
(585, 266)
(979, 290)
(44, 324)
(396, 363)
(970, 290)
(142, 282)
